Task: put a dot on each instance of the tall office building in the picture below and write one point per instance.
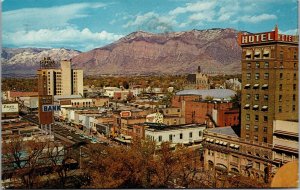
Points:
(269, 82)
(64, 81)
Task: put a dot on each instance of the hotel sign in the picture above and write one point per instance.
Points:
(244, 39)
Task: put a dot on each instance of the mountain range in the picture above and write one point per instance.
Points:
(215, 50)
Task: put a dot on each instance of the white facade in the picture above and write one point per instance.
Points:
(177, 135)
(110, 91)
(285, 141)
(30, 102)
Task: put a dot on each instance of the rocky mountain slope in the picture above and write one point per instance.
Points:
(215, 50)
(25, 61)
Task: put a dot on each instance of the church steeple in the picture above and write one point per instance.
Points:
(199, 69)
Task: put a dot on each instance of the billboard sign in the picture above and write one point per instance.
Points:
(125, 114)
(10, 108)
(45, 105)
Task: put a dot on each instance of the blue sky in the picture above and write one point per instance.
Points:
(88, 24)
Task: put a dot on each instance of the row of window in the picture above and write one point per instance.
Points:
(280, 108)
(265, 86)
(265, 65)
(255, 137)
(256, 107)
(171, 136)
(255, 127)
(256, 118)
(266, 76)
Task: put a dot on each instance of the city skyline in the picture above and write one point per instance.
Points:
(84, 25)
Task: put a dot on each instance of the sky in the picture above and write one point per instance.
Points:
(87, 24)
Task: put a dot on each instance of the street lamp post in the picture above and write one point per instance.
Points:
(80, 158)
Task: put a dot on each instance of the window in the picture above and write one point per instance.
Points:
(248, 65)
(266, 76)
(265, 118)
(256, 118)
(281, 55)
(265, 139)
(256, 128)
(178, 110)
(295, 76)
(200, 133)
(159, 138)
(266, 97)
(248, 96)
(256, 76)
(294, 86)
(247, 127)
(280, 87)
(256, 138)
(248, 117)
(256, 97)
(294, 107)
(170, 137)
(295, 55)
(235, 159)
(265, 129)
(180, 135)
(247, 136)
(257, 165)
(191, 134)
(257, 65)
(248, 76)
(281, 75)
(295, 65)
(280, 98)
(266, 64)
(281, 65)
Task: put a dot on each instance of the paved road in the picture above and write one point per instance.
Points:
(71, 134)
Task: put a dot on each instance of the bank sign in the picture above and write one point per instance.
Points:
(51, 108)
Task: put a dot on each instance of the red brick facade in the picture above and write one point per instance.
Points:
(200, 111)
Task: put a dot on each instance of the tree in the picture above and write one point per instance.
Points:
(25, 158)
(125, 84)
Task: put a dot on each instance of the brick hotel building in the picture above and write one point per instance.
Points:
(269, 83)
(269, 111)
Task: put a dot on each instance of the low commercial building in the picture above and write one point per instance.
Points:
(285, 141)
(225, 152)
(176, 134)
(213, 107)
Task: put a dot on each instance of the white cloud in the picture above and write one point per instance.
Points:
(84, 39)
(37, 18)
(257, 18)
(194, 7)
(153, 22)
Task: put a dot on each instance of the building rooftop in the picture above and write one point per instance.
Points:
(58, 97)
(14, 94)
(164, 127)
(224, 131)
(216, 93)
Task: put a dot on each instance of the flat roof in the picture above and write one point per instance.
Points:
(164, 127)
(216, 93)
(224, 131)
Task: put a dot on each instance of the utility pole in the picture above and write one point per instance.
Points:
(80, 158)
